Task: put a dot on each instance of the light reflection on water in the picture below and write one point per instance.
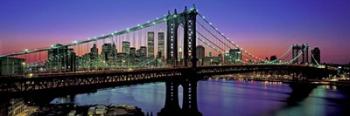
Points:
(220, 98)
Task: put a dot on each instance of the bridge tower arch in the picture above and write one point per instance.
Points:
(172, 26)
(187, 19)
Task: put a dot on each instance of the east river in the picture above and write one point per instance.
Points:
(226, 98)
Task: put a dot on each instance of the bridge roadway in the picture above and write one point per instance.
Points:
(37, 82)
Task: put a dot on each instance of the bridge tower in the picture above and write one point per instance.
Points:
(172, 26)
(189, 24)
(188, 20)
(171, 107)
(304, 50)
(189, 103)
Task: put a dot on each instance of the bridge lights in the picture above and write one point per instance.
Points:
(75, 42)
(30, 75)
(26, 50)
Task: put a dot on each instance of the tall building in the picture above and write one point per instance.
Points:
(11, 65)
(94, 52)
(316, 56)
(108, 52)
(150, 44)
(126, 47)
(71, 63)
(133, 51)
(61, 58)
(236, 55)
(200, 51)
(143, 51)
(233, 56)
(161, 45)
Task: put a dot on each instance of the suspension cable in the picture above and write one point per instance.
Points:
(202, 17)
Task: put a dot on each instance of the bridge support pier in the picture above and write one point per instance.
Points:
(189, 105)
(171, 107)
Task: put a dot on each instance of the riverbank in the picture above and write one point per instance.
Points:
(91, 110)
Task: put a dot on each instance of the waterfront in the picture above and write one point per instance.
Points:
(223, 97)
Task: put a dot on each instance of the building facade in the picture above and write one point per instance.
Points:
(61, 58)
(150, 44)
(316, 56)
(161, 45)
(11, 66)
(200, 51)
(126, 47)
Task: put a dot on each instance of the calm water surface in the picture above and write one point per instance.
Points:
(223, 98)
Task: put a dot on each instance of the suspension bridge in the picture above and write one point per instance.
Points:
(179, 48)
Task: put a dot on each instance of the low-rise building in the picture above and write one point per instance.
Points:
(11, 66)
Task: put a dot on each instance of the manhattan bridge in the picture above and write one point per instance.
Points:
(179, 48)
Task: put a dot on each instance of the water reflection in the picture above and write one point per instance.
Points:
(214, 98)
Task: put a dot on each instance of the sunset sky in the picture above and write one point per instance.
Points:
(263, 27)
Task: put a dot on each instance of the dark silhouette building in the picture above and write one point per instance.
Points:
(200, 51)
(10, 65)
(273, 58)
(61, 58)
(316, 56)
(94, 52)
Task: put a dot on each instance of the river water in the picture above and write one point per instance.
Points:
(225, 98)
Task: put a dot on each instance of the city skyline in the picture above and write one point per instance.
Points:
(174, 58)
(321, 24)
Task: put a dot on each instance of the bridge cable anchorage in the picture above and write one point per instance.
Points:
(211, 25)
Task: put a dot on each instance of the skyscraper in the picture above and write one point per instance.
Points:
(150, 44)
(235, 55)
(61, 58)
(126, 47)
(200, 51)
(143, 51)
(133, 51)
(161, 45)
(108, 51)
(94, 52)
(316, 56)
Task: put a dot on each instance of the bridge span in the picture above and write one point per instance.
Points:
(38, 82)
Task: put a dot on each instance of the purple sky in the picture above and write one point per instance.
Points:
(262, 27)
